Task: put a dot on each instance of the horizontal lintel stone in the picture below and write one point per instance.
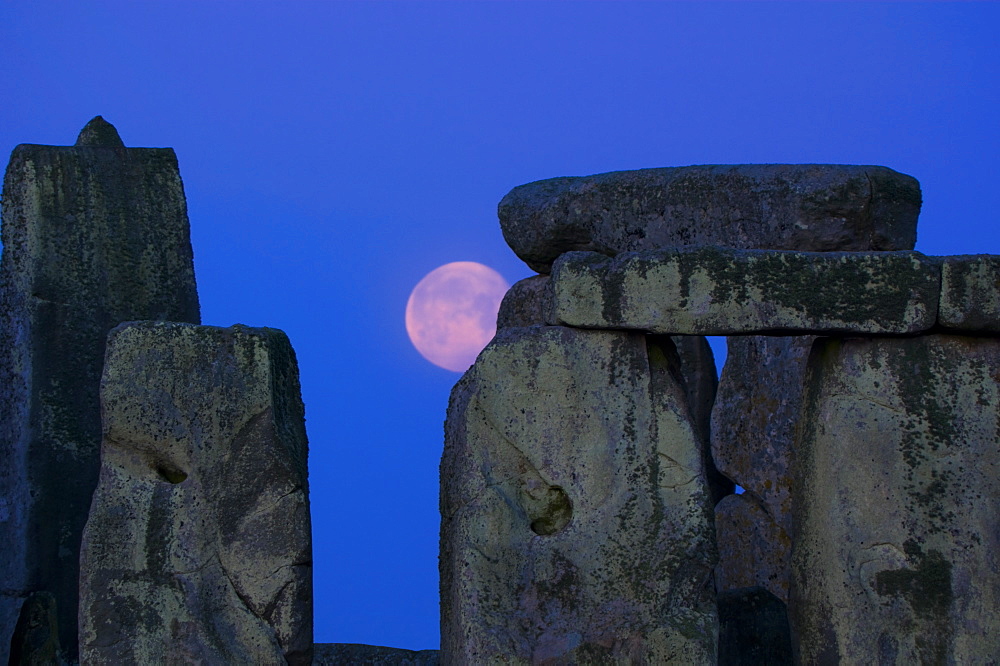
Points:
(814, 207)
(722, 291)
(970, 293)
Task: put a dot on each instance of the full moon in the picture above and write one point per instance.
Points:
(452, 313)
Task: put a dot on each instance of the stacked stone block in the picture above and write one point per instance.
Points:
(198, 542)
(576, 521)
(197, 547)
(93, 235)
(875, 383)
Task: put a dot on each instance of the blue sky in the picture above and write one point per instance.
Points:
(334, 153)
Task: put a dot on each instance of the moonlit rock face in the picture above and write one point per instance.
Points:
(452, 313)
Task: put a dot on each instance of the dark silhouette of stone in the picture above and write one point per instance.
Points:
(35, 641)
(93, 235)
(355, 654)
(99, 132)
(812, 207)
(897, 480)
(753, 629)
(198, 544)
(576, 521)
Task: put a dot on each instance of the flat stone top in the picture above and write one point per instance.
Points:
(809, 207)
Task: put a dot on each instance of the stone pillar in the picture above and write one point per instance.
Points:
(198, 543)
(897, 483)
(805, 207)
(93, 235)
(576, 522)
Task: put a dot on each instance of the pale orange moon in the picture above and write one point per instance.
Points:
(452, 313)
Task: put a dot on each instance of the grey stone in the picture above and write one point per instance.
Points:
(528, 302)
(772, 206)
(525, 303)
(754, 419)
(93, 235)
(198, 543)
(356, 654)
(576, 524)
(970, 293)
(701, 380)
(35, 641)
(753, 629)
(99, 132)
(897, 471)
(721, 291)
(754, 548)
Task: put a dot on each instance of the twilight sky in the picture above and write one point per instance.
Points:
(334, 153)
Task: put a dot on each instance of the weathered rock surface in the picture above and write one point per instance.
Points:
(720, 291)
(198, 544)
(753, 629)
(970, 293)
(754, 549)
(897, 543)
(576, 525)
(770, 206)
(93, 235)
(526, 303)
(754, 419)
(356, 654)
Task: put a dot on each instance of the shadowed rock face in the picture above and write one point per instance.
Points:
(356, 654)
(897, 483)
(576, 524)
(773, 206)
(198, 543)
(93, 235)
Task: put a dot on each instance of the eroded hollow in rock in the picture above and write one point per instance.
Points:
(554, 512)
(169, 473)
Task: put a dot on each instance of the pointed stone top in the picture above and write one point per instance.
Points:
(99, 132)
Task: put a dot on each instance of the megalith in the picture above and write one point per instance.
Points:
(804, 207)
(816, 207)
(198, 544)
(576, 524)
(93, 235)
(897, 475)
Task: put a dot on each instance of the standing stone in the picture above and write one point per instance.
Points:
(753, 629)
(576, 524)
(817, 207)
(753, 432)
(898, 480)
(93, 235)
(198, 543)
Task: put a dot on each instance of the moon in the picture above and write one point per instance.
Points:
(452, 313)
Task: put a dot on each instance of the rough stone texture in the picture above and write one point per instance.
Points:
(753, 629)
(970, 293)
(525, 303)
(576, 525)
(198, 544)
(93, 235)
(721, 291)
(356, 654)
(897, 548)
(754, 549)
(774, 206)
(754, 419)
(701, 380)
